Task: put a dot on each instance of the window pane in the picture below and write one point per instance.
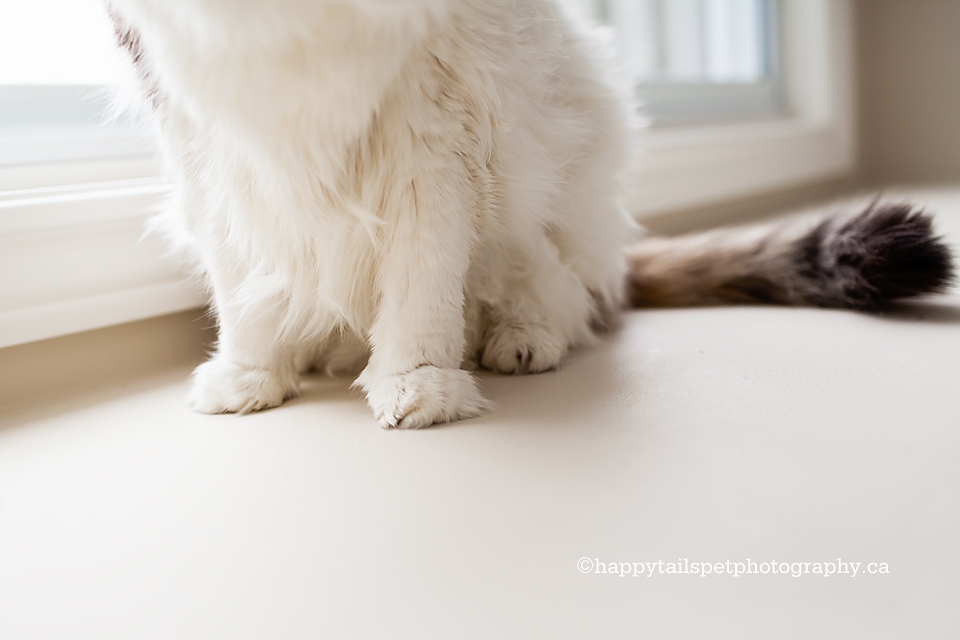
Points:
(690, 58)
(59, 56)
(698, 59)
(57, 42)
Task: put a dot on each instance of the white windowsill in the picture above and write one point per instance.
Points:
(74, 256)
(701, 166)
(726, 433)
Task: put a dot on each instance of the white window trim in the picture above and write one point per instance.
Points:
(74, 257)
(816, 140)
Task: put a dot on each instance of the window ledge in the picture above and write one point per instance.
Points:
(697, 166)
(76, 258)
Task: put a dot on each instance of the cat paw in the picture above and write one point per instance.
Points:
(225, 387)
(523, 348)
(427, 395)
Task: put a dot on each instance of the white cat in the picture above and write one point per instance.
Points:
(421, 185)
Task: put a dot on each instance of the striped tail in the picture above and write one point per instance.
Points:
(861, 261)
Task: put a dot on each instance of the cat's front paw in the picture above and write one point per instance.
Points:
(523, 348)
(220, 386)
(427, 395)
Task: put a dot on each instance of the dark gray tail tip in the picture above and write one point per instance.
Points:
(897, 252)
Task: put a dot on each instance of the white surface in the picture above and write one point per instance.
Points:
(77, 258)
(793, 435)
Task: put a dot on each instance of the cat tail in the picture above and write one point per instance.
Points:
(885, 252)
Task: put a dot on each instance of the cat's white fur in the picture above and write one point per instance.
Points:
(423, 181)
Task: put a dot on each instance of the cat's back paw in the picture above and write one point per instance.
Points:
(425, 396)
(220, 386)
(522, 348)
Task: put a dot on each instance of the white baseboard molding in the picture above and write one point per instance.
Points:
(19, 326)
(729, 162)
(75, 258)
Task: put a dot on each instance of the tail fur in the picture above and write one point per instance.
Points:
(861, 261)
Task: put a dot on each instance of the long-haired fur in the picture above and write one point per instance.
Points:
(859, 260)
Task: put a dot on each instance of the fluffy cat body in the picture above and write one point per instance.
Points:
(389, 174)
(413, 185)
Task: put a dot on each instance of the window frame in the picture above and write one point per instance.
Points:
(813, 140)
(119, 275)
(43, 124)
(686, 102)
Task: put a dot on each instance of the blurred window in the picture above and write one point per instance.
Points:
(698, 59)
(57, 61)
(691, 60)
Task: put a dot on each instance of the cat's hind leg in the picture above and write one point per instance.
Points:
(541, 310)
(515, 344)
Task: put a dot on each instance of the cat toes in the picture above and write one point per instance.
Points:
(427, 395)
(523, 348)
(220, 386)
